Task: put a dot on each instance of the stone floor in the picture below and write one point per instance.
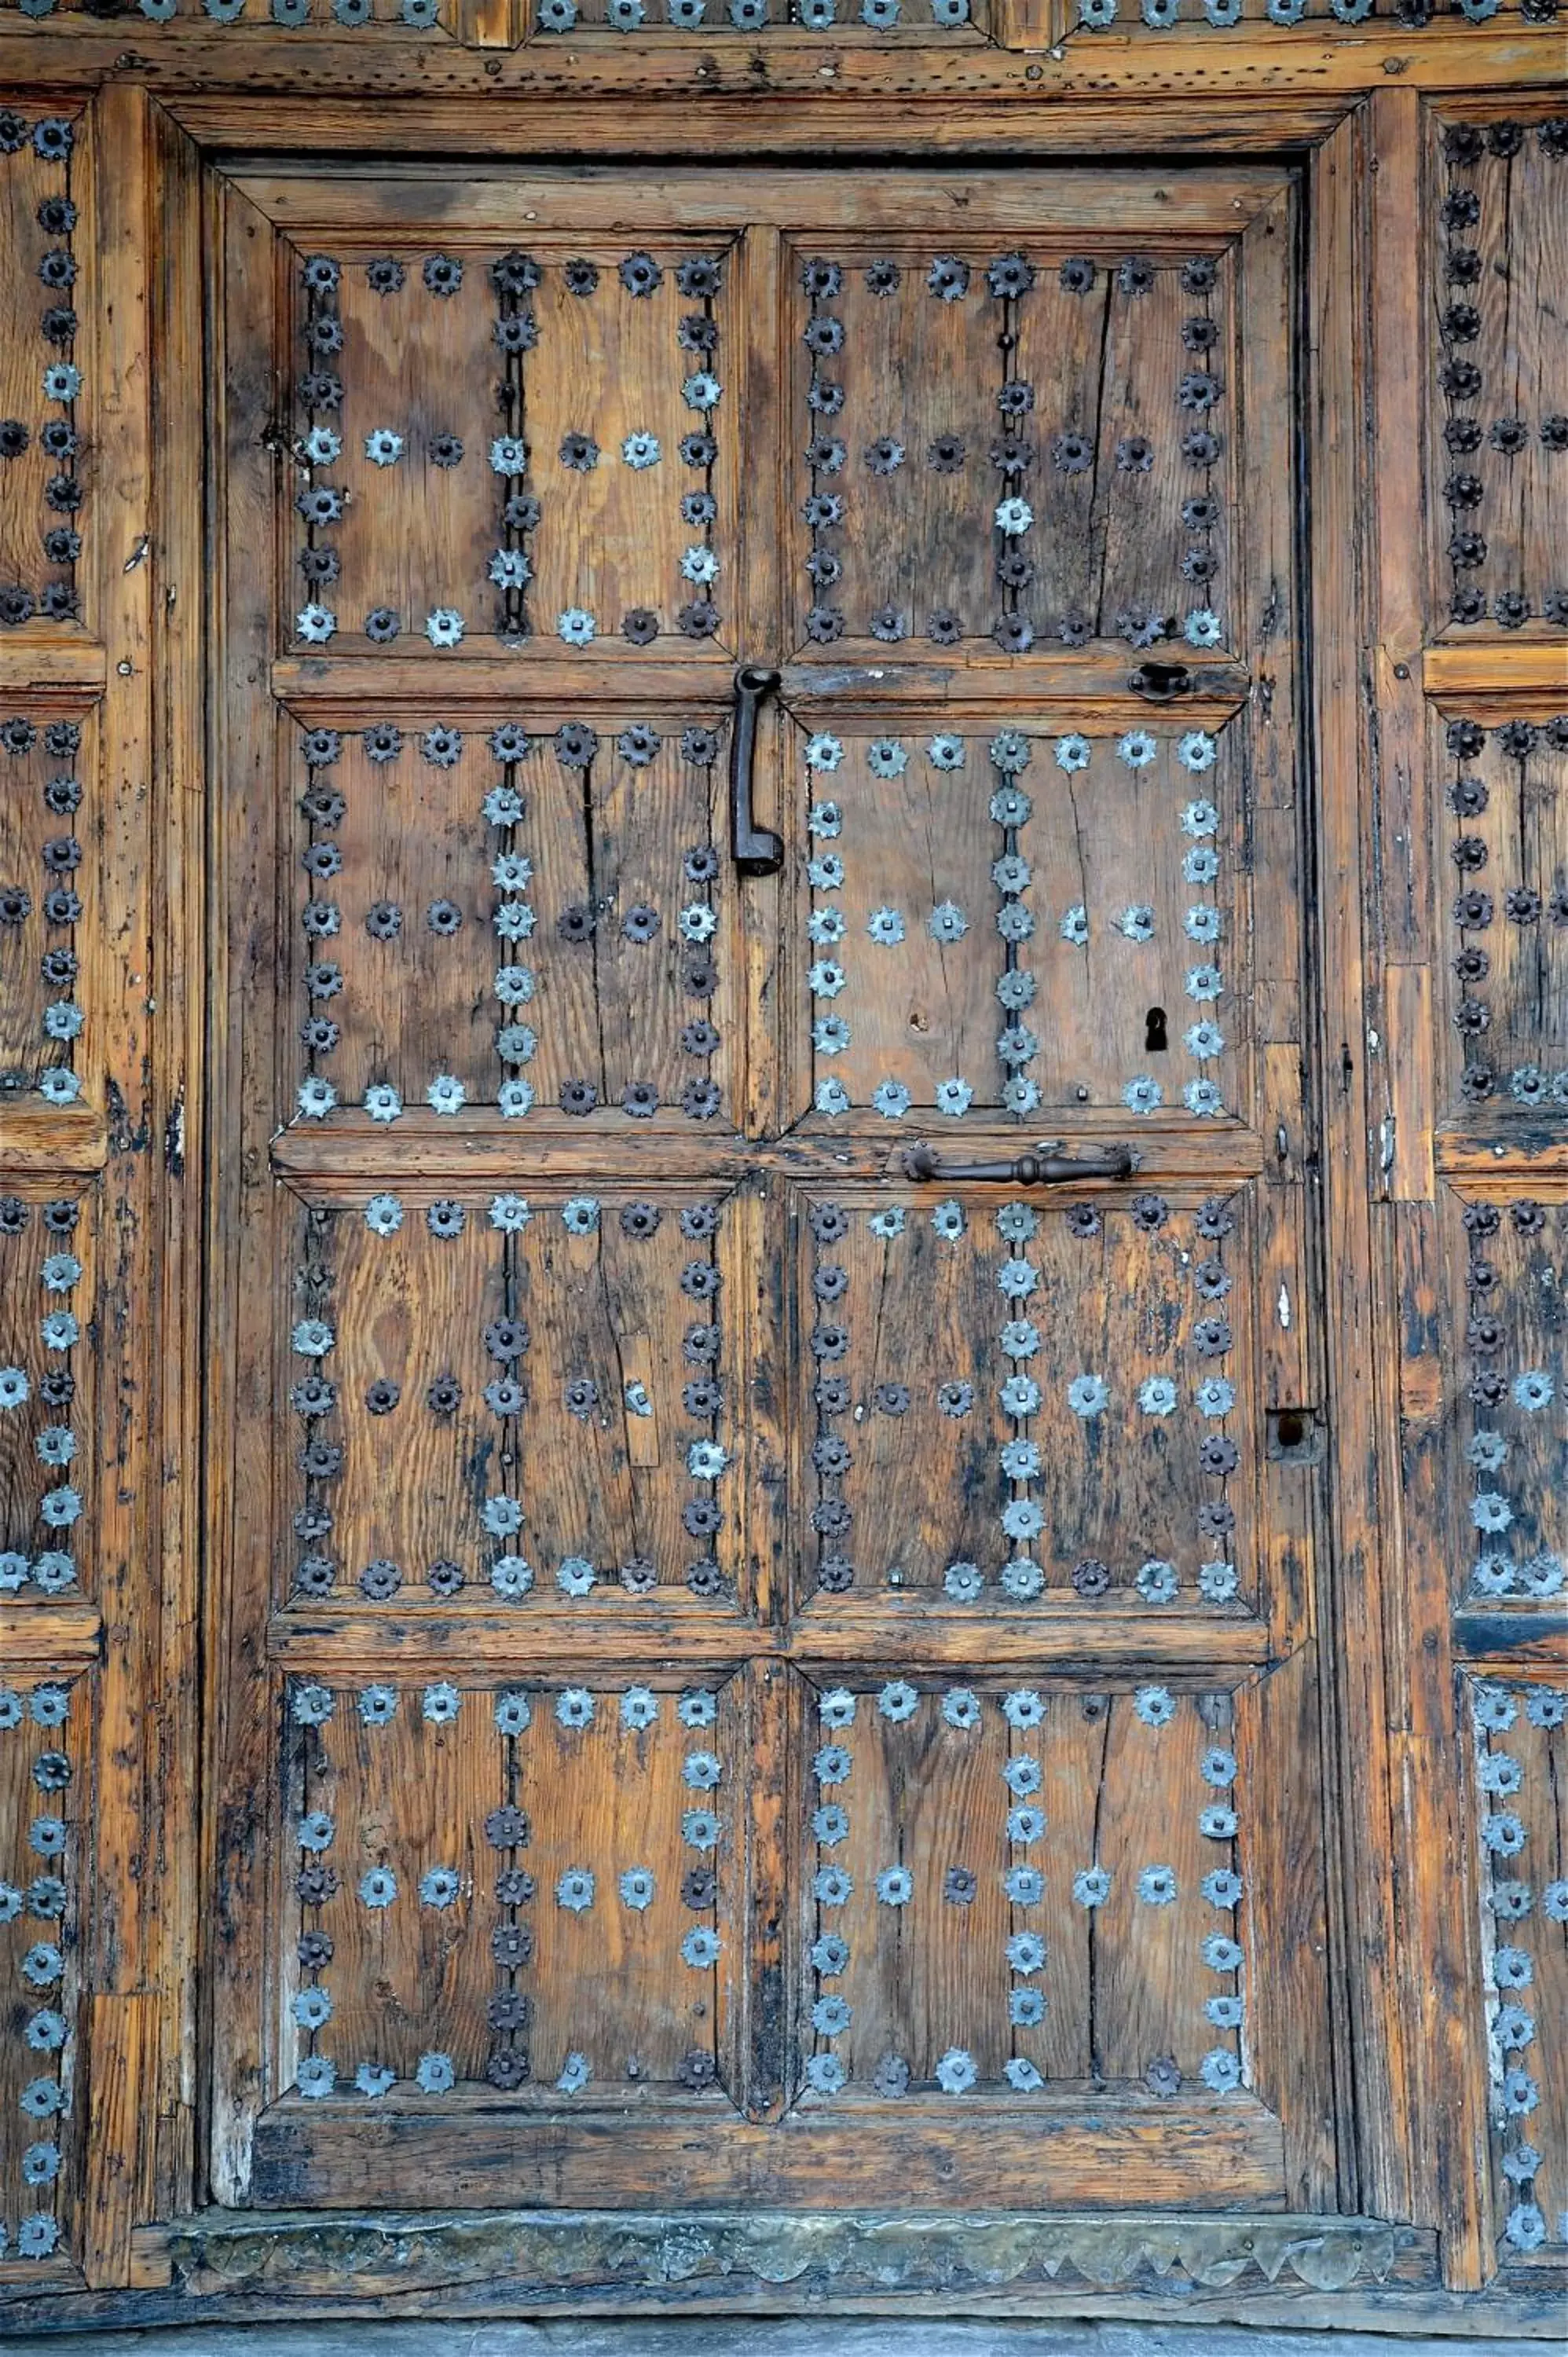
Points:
(742, 2337)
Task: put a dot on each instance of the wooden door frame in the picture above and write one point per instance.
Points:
(1419, 2097)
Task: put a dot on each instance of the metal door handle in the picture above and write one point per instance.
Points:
(1031, 1170)
(755, 850)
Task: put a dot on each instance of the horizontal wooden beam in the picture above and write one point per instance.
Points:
(54, 673)
(1524, 1160)
(348, 690)
(1500, 1642)
(1120, 2148)
(1491, 677)
(39, 1140)
(1094, 686)
(940, 103)
(50, 1636)
(487, 1640)
(510, 2260)
(1312, 64)
(425, 1154)
(1163, 211)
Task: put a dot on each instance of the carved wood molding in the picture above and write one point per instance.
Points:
(731, 2256)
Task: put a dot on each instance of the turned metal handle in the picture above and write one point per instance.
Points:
(1030, 1170)
(755, 850)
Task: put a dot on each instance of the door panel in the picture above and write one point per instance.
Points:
(45, 381)
(1003, 1886)
(540, 914)
(1018, 445)
(1506, 828)
(1507, 1521)
(1498, 384)
(46, 1281)
(514, 443)
(803, 1551)
(41, 900)
(517, 1400)
(1516, 1733)
(44, 1766)
(1007, 1402)
(1025, 919)
(535, 1889)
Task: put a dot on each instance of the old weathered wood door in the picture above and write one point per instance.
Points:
(783, 1186)
(757, 1663)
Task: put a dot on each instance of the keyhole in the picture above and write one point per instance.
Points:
(1154, 1040)
(1291, 1426)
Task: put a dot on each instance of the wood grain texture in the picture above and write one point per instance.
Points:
(1497, 813)
(596, 1454)
(1088, 684)
(603, 847)
(122, 2055)
(1497, 377)
(1119, 2158)
(1413, 1708)
(671, 1625)
(48, 768)
(1279, 1715)
(46, 1866)
(1491, 1344)
(202, 69)
(1361, 2054)
(1165, 212)
(605, 362)
(41, 1633)
(168, 2174)
(1111, 916)
(1101, 364)
(49, 1254)
(353, 1155)
(595, 1464)
(1129, 1304)
(53, 302)
(1494, 676)
(1364, 1479)
(242, 1200)
(1516, 1733)
(601, 1971)
(120, 982)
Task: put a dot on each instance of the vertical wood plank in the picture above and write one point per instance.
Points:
(774, 1705)
(121, 2043)
(179, 960)
(243, 1201)
(1401, 848)
(119, 986)
(487, 24)
(1292, 2061)
(757, 265)
(1445, 2095)
(1266, 556)
(1380, 2175)
(1399, 1806)
(1405, 1155)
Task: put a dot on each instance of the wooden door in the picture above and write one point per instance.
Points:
(768, 1647)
